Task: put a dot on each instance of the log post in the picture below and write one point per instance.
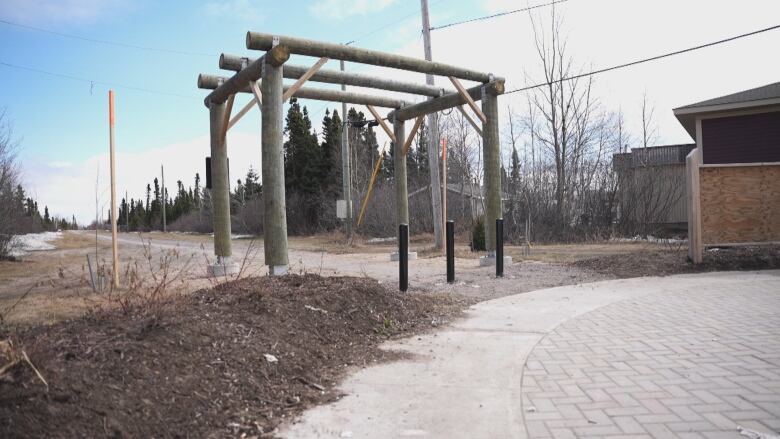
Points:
(399, 167)
(220, 193)
(492, 173)
(275, 217)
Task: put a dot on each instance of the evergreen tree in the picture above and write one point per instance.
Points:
(331, 153)
(303, 156)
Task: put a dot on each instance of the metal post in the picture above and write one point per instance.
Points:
(450, 251)
(114, 219)
(164, 199)
(275, 217)
(403, 256)
(499, 247)
(433, 137)
(346, 172)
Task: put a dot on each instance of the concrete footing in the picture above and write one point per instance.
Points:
(223, 267)
(394, 256)
(277, 270)
(490, 260)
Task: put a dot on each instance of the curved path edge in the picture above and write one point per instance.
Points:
(465, 380)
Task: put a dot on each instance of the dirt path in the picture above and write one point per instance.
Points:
(57, 281)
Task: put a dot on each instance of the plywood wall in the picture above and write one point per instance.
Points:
(740, 204)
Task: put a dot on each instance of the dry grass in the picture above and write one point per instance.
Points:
(569, 253)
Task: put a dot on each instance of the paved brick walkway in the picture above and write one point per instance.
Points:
(697, 364)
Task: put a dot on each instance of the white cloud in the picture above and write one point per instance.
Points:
(69, 189)
(338, 9)
(244, 10)
(60, 11)
(619, 32)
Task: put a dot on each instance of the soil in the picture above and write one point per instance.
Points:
(668, 262)
(201, 365)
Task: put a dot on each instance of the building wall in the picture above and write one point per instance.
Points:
(653, 194)
(752, 138)
(740, 204)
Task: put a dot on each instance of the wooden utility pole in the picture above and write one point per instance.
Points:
(164, 201)
(114, 244)
(433, 138)
(346, 171)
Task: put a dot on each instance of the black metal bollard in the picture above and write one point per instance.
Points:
(450, 251)
(403, 256)
(499, 247)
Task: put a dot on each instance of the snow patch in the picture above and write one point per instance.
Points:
(33, 242)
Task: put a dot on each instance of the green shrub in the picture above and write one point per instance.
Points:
(478, 235)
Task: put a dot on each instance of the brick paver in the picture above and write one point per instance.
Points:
(666, 365)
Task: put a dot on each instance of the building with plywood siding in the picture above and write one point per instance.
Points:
(733, 174)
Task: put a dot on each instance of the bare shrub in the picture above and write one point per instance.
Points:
(147, 284)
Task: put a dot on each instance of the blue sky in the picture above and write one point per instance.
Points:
(62, 123)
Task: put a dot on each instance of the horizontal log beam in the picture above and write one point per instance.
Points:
(277, 56)
(210, 82)
(301, 46)
(447, 101)
(235, 63)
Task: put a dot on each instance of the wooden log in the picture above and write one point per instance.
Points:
(243, 111)
(413, 133)
(470, 120)
(467, 97)
(212, 82)
(492, 169)
(235, 63)
(257, 93)
(382, 123)
(274, 214)
(399, 174)
(301, 46)
(370, 186)
(228, 110)
(239, 81)
(448, 101)
(220, 187)
(302, 80)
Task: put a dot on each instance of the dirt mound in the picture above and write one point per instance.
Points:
(668, 262)
(239, 358)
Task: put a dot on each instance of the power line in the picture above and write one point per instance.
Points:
(106, 42)
(94, 82)
(641, 61)
(500, 14)
(383, 27)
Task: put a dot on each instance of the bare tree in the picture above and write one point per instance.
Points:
(569, 123)
(11, 199)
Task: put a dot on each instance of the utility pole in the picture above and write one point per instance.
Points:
(164, 201)
(346, 173)
(114, 244)
(433, 138)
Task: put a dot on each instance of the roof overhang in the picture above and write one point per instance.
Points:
(687, 115)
